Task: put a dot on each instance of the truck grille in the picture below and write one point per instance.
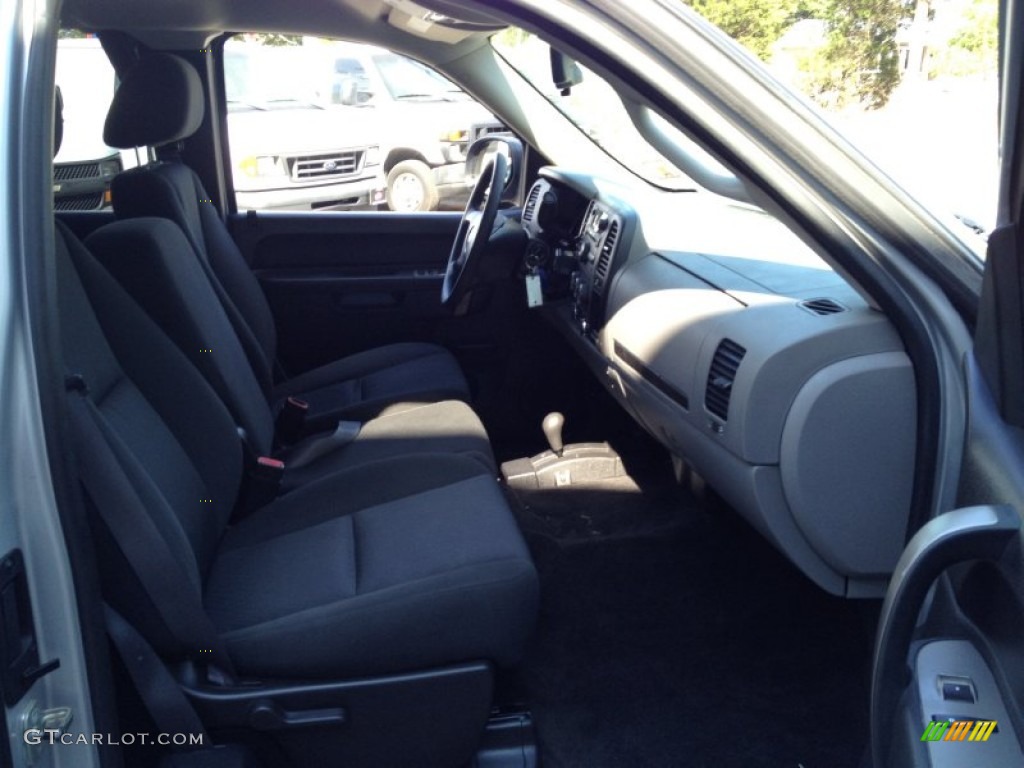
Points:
(90, 202)
(76, 171)
(326, 166)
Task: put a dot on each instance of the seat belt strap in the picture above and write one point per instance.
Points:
(313, 448)
(290, 421)
(118, 503)
(170, 709)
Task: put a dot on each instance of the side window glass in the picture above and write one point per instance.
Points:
(317, 124)
(85, 166)
(351, 83)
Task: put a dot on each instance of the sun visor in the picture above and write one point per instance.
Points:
(438, 20)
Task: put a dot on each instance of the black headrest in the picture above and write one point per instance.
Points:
(159, 101)
(58, 120)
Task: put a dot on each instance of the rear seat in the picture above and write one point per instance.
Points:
(406, 563)
(153, 261)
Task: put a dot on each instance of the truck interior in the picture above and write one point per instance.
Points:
(612, 468)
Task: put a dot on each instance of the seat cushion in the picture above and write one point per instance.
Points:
(398, 565)
(446, 427)
(360, 386)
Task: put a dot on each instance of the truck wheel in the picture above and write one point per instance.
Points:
(411, 187)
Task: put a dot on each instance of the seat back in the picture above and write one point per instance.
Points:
(174, 439)
(160, 103)
(154, 263)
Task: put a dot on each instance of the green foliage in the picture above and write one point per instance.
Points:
(511, 36)
(974, 47)
(980, 31)
(810, 9)
(273, 38)
(859, 63)
(756, 24)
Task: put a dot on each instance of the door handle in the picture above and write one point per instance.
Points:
(971, 533)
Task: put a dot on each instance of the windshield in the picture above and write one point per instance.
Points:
(268, 77)
(593, 106)
(407, 79)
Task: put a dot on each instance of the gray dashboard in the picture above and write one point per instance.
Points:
(750, 360)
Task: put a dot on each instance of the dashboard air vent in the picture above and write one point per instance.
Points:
(609, 243)
(724, 365)
(531, 203)
(607, 251)
(823, 306)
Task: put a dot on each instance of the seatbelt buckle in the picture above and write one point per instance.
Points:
(290, 421)
(262, 484)
(270, 468)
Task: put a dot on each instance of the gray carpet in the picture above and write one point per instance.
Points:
(673, 635)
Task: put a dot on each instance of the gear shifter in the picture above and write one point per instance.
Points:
(563, 465)
(552, 426)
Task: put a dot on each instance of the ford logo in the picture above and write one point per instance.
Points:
(330, 165)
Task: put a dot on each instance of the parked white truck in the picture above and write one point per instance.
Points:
(426, 123)
(85, 166)
(325, 125)
(290, 149)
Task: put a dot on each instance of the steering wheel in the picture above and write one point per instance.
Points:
(474, 231)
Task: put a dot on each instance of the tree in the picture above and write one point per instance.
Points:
(756, 24)
(859, 62)
(272, 38)
(974, 47)
(979, 33)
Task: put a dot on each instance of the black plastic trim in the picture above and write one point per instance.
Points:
(429, 718)
(634, 362)
(19, 651)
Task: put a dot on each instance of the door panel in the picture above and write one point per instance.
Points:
(342, 282)
(940, 688)
(357, 243)
(966, 619)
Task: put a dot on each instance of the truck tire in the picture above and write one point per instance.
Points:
(411, 187)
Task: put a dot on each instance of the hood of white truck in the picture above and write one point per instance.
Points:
(433, 115)
(300, 130)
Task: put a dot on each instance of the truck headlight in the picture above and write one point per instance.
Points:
(456, 137)
(262, 166)
(110, 168)
(372, 156)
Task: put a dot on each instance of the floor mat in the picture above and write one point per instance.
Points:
(671, 635)
(608, 509)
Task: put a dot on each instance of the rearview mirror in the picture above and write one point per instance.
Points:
(565, 72)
